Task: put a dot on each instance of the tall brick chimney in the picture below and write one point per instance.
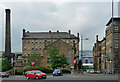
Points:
(7, 35)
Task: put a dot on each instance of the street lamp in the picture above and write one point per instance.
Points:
(112, 39)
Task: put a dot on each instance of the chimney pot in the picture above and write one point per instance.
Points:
(49, 31)
(69, 31)
(57, 31)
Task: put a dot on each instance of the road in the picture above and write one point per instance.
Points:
(70, 77)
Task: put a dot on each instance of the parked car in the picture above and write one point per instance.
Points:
(26, 73)
(92, 71)
(36, 74)
(4, 74)
(57, 72)
(98, 72)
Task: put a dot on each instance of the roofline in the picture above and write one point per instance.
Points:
(49, 38)
(114, 18)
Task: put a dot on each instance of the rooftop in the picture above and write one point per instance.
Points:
(114, 18)
(46, 35)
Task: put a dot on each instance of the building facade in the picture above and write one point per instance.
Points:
(97, 55)
(40, 41)
(110, 47)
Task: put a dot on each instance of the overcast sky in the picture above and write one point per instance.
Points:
(86, 18)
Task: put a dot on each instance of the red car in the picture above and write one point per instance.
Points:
(4, 74)
(36, 74)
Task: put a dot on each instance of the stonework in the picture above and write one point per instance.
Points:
(109, 60)
(40, 41)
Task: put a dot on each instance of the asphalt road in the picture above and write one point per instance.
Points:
(69, 77)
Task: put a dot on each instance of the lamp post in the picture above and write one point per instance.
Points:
(112, 40)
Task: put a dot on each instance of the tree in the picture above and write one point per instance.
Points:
(63, 60)
(55, 59)
(34, 57)
(53, 52)
(6, 64)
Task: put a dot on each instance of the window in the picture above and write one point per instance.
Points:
(43, 47)
(28, 42)
(75, 41)
(25, 61)
(32, 41)
(36, 48)
(24, 54)
(44, 41)
(40, 47)
(116, 36)
(51, 41)
(24, 48)
(40, 55)
(69, 51)
(36, 41)
(71, 41)
(117, 65)
(32, 48)
(28, 48)
(116, 45)
(116, 54)
(67, 41)
(40, 42)
(63, 40)
(69, 60)
(48, 60)
(28, 54)
(116, 28)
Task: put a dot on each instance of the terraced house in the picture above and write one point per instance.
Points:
(40, 41)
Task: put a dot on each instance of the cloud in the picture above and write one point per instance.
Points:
(88, 19)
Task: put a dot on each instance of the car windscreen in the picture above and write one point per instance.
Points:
(57, 69)
(38, 72)
(3, 72)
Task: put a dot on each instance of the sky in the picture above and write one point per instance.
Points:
(87, 18)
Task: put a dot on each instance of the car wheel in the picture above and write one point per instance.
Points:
(37, 77)
(27, 78)
(7, 76)
(44, 78)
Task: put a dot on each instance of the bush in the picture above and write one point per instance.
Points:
(21, 70)
(66, 71)
(11, 71)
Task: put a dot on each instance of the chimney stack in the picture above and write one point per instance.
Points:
(57, 33)
(78, 36)
(69, 31)
(50, 34)
(23, 32)
(96, 38)
(7, 34)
